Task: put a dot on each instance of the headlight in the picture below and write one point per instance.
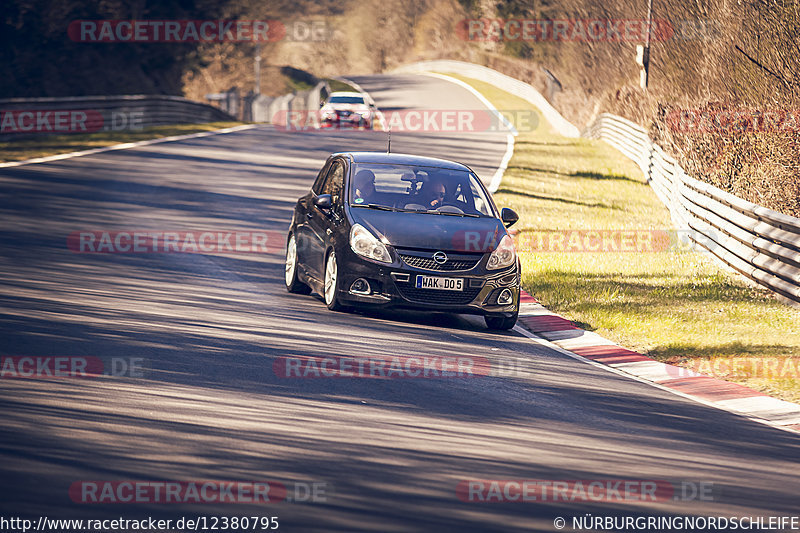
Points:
(504, 255)
(364, 114)
(367, 245)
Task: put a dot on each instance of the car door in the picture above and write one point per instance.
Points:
(321, 223)
(305, 206)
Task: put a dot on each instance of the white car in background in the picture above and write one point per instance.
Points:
(346, 109)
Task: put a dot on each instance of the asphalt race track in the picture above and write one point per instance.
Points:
(207, 328)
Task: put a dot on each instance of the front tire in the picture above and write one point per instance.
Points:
(293, 284)
(501, 322)
(332, 282)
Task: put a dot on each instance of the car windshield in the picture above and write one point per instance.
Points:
(346, 100)
(418, 188)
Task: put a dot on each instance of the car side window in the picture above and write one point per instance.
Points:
(318, 183)
(335, 181)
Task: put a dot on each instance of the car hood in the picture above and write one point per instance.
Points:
(432, 232)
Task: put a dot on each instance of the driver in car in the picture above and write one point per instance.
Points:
(364, 187)
(433, 193)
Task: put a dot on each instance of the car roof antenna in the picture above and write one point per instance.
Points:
(389, 148)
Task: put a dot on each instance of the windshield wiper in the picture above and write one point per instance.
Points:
(376, 206)
(434, 212)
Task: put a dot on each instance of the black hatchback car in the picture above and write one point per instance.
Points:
(394, 230)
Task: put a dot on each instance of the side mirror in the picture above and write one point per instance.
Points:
(324, 201)
(508, 216)
(322, 104)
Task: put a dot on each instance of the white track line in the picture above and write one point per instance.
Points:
(494, 184)
(125, 146)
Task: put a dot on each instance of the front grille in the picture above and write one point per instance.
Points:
(428, 263)
(433, 296)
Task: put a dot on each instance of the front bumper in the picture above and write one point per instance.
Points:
(339, 120)
(394, 286)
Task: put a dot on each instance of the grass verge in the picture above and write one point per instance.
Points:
(18, 150)
(675, 306)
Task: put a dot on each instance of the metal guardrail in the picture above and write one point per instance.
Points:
(134, 112)
(108, 113)
(266, 109)
(762, 244)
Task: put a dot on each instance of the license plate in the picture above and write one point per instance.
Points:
(441, 284)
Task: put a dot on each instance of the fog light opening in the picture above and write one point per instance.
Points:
(505, 297)
(361, 286)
